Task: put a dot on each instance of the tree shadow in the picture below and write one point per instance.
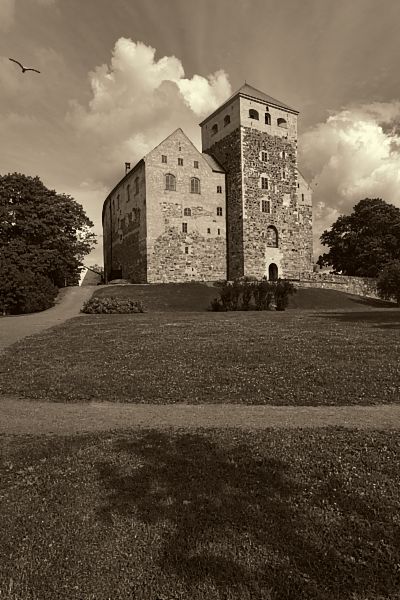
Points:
(375, 318)
(236, 517)
(373, 302)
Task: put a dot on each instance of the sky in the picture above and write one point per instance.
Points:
(118, 76)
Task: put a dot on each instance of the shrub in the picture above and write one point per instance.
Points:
(247, 293)
(388, 284)
(22, 291)
(263, 294)
(283, 289)
(112, 305)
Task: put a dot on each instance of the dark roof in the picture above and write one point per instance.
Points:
(249, 91)
(213, 163)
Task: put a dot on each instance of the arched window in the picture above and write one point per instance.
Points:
(227, 120)
(253, 114)
(267, 119)
(187, 212)
(282, 123)
(214, 129)
(195, 185)
(170, 182)
(272, 237)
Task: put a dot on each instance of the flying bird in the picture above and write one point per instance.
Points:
(22, 67)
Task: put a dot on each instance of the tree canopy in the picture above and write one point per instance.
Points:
(43, 234)
(360, 244)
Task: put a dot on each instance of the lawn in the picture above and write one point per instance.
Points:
(191, 515)
(289, 358)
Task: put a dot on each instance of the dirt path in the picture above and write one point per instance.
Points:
(31, 417)
(68, 304)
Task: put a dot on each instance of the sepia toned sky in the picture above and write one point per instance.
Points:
(118, 76)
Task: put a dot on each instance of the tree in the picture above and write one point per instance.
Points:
(388, 283)
(43, 236)
(363, 242)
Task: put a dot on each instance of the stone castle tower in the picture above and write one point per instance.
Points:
(239, 207)
(269, 204)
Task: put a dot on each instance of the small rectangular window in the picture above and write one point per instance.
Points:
(196, 164)
(208, 230)
(118, 201)
(219, 232)
(128, 191)
(219, 211)
(163, 158)
(180, 162)
(264, 183)
(219, 189)
(302, 197)
(265, 206)
(184, 227)
(186, 249)
(264, 156)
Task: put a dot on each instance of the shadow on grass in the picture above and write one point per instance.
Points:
(375, 318)
(240, 519)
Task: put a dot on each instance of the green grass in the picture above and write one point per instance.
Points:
(289, 358)
(149, 515)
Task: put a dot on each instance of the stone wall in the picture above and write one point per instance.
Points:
(360, 286)
(198, 254)
(227, 151)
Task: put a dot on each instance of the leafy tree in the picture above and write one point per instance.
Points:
(388, 283)
(43, 237)
(363, 242)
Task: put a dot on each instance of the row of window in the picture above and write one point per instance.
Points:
(253, 114)
(264, 156)
(187, 212)
(164, 160)
(185, 229)
(170, 184)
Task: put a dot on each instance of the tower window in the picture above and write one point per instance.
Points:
(187, 212)
(282, 123)
(272, 237)
(137, 185)
(264, 156)
(170, 182)
(267, 118)
(186, 249)
(219, 211)
(194, 185)
(265, 206)
(219, 189)
(196, 164)
(219, 232)
(253, 114)
(284, 174)
(227, 120)
(163, 158)
(283, 154)
(208, 230)
(184, 227)
(302, 197)
(214, 129)
(264, 183)
(180, 162)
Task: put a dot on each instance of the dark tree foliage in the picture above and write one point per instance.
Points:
(388, 283)
(361, 243)
(43, 237)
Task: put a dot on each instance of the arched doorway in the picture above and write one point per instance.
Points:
(272, 272)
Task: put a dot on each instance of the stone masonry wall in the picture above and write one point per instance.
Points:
(125, 229)
(360, 286)
(173, 255)
(291, 218)
(227, 151)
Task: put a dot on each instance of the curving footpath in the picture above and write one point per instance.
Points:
(68, 305)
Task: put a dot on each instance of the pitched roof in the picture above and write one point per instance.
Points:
(248, 91)
(212, 162)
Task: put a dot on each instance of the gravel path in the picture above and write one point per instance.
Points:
(68, 304)
(32, 417)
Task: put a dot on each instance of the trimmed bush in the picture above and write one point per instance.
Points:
(111, 305)
(246, 293)
(23, 292)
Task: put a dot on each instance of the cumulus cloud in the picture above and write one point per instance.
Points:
(7, 14)
(353, 155)
(138, 100)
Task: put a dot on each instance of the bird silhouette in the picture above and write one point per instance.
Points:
(22, 67)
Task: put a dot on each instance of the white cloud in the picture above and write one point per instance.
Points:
(7, 14)
(205, 95)
(355, 154)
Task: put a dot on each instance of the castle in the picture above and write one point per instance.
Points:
(239, 207)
